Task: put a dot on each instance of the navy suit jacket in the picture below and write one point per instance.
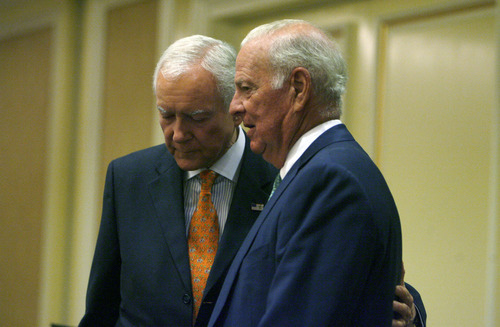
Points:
(326, 249)
(140, 273)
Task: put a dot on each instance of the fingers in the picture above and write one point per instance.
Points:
(398, 323)
(403, 307)
(403, 295)
(402, 310)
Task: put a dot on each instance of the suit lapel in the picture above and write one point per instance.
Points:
(235, 265)
(252, 188)
(337, 133)
(167, 194)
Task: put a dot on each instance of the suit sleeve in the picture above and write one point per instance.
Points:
(421, 318)
(103, 293)
(327, 237)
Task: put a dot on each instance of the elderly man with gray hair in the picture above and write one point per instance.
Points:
(175, 214)
(326, 249)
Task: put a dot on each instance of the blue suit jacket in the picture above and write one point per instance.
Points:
(326, 250)
(140, 274)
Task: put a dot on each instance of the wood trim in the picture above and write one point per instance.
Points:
(88, 188)
(232, 10)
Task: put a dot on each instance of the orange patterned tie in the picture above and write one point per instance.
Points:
(203, 238)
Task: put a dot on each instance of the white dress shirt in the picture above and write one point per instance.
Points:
(303, 143)
(228, 169)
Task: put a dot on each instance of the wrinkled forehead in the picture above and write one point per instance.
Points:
(196, 86)
(254, 53)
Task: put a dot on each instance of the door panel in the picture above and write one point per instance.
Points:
(434, 147)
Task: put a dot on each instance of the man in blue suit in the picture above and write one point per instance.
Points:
(326, 249)
(140, 274)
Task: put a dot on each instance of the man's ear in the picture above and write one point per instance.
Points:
(301, 87)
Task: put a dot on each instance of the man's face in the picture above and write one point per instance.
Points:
(196, 126)
(264, 110)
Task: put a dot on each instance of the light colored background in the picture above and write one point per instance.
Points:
(423, 99)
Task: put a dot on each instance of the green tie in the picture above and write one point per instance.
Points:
(276, 183)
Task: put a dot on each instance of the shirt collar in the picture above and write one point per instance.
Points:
(229, 163)
(303, 143)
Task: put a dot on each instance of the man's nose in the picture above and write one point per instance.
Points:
(236, 107)
(181, 131)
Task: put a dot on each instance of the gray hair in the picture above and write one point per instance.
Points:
(216, 56)
(314, 51)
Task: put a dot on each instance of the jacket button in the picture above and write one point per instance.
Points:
(186, 299)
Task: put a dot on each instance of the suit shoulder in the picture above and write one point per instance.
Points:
(142, 155)
(144, 159)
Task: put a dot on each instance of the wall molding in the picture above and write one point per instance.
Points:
(18, 21)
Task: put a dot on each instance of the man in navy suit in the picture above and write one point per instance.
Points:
(140, 274)
(326, 249)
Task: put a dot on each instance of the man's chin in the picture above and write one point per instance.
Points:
(256, 148)
(188, 164)
(260, 149)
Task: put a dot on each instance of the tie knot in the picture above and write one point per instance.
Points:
(207, 179)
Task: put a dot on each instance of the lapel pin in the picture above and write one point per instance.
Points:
(257, 206)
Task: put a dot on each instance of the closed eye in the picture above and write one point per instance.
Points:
(200, 115)
(243, 87)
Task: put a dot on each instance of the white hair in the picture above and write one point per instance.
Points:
(312, 50)
(216, 56)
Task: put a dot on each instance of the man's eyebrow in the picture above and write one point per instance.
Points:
(198, 112)
(191, 113)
